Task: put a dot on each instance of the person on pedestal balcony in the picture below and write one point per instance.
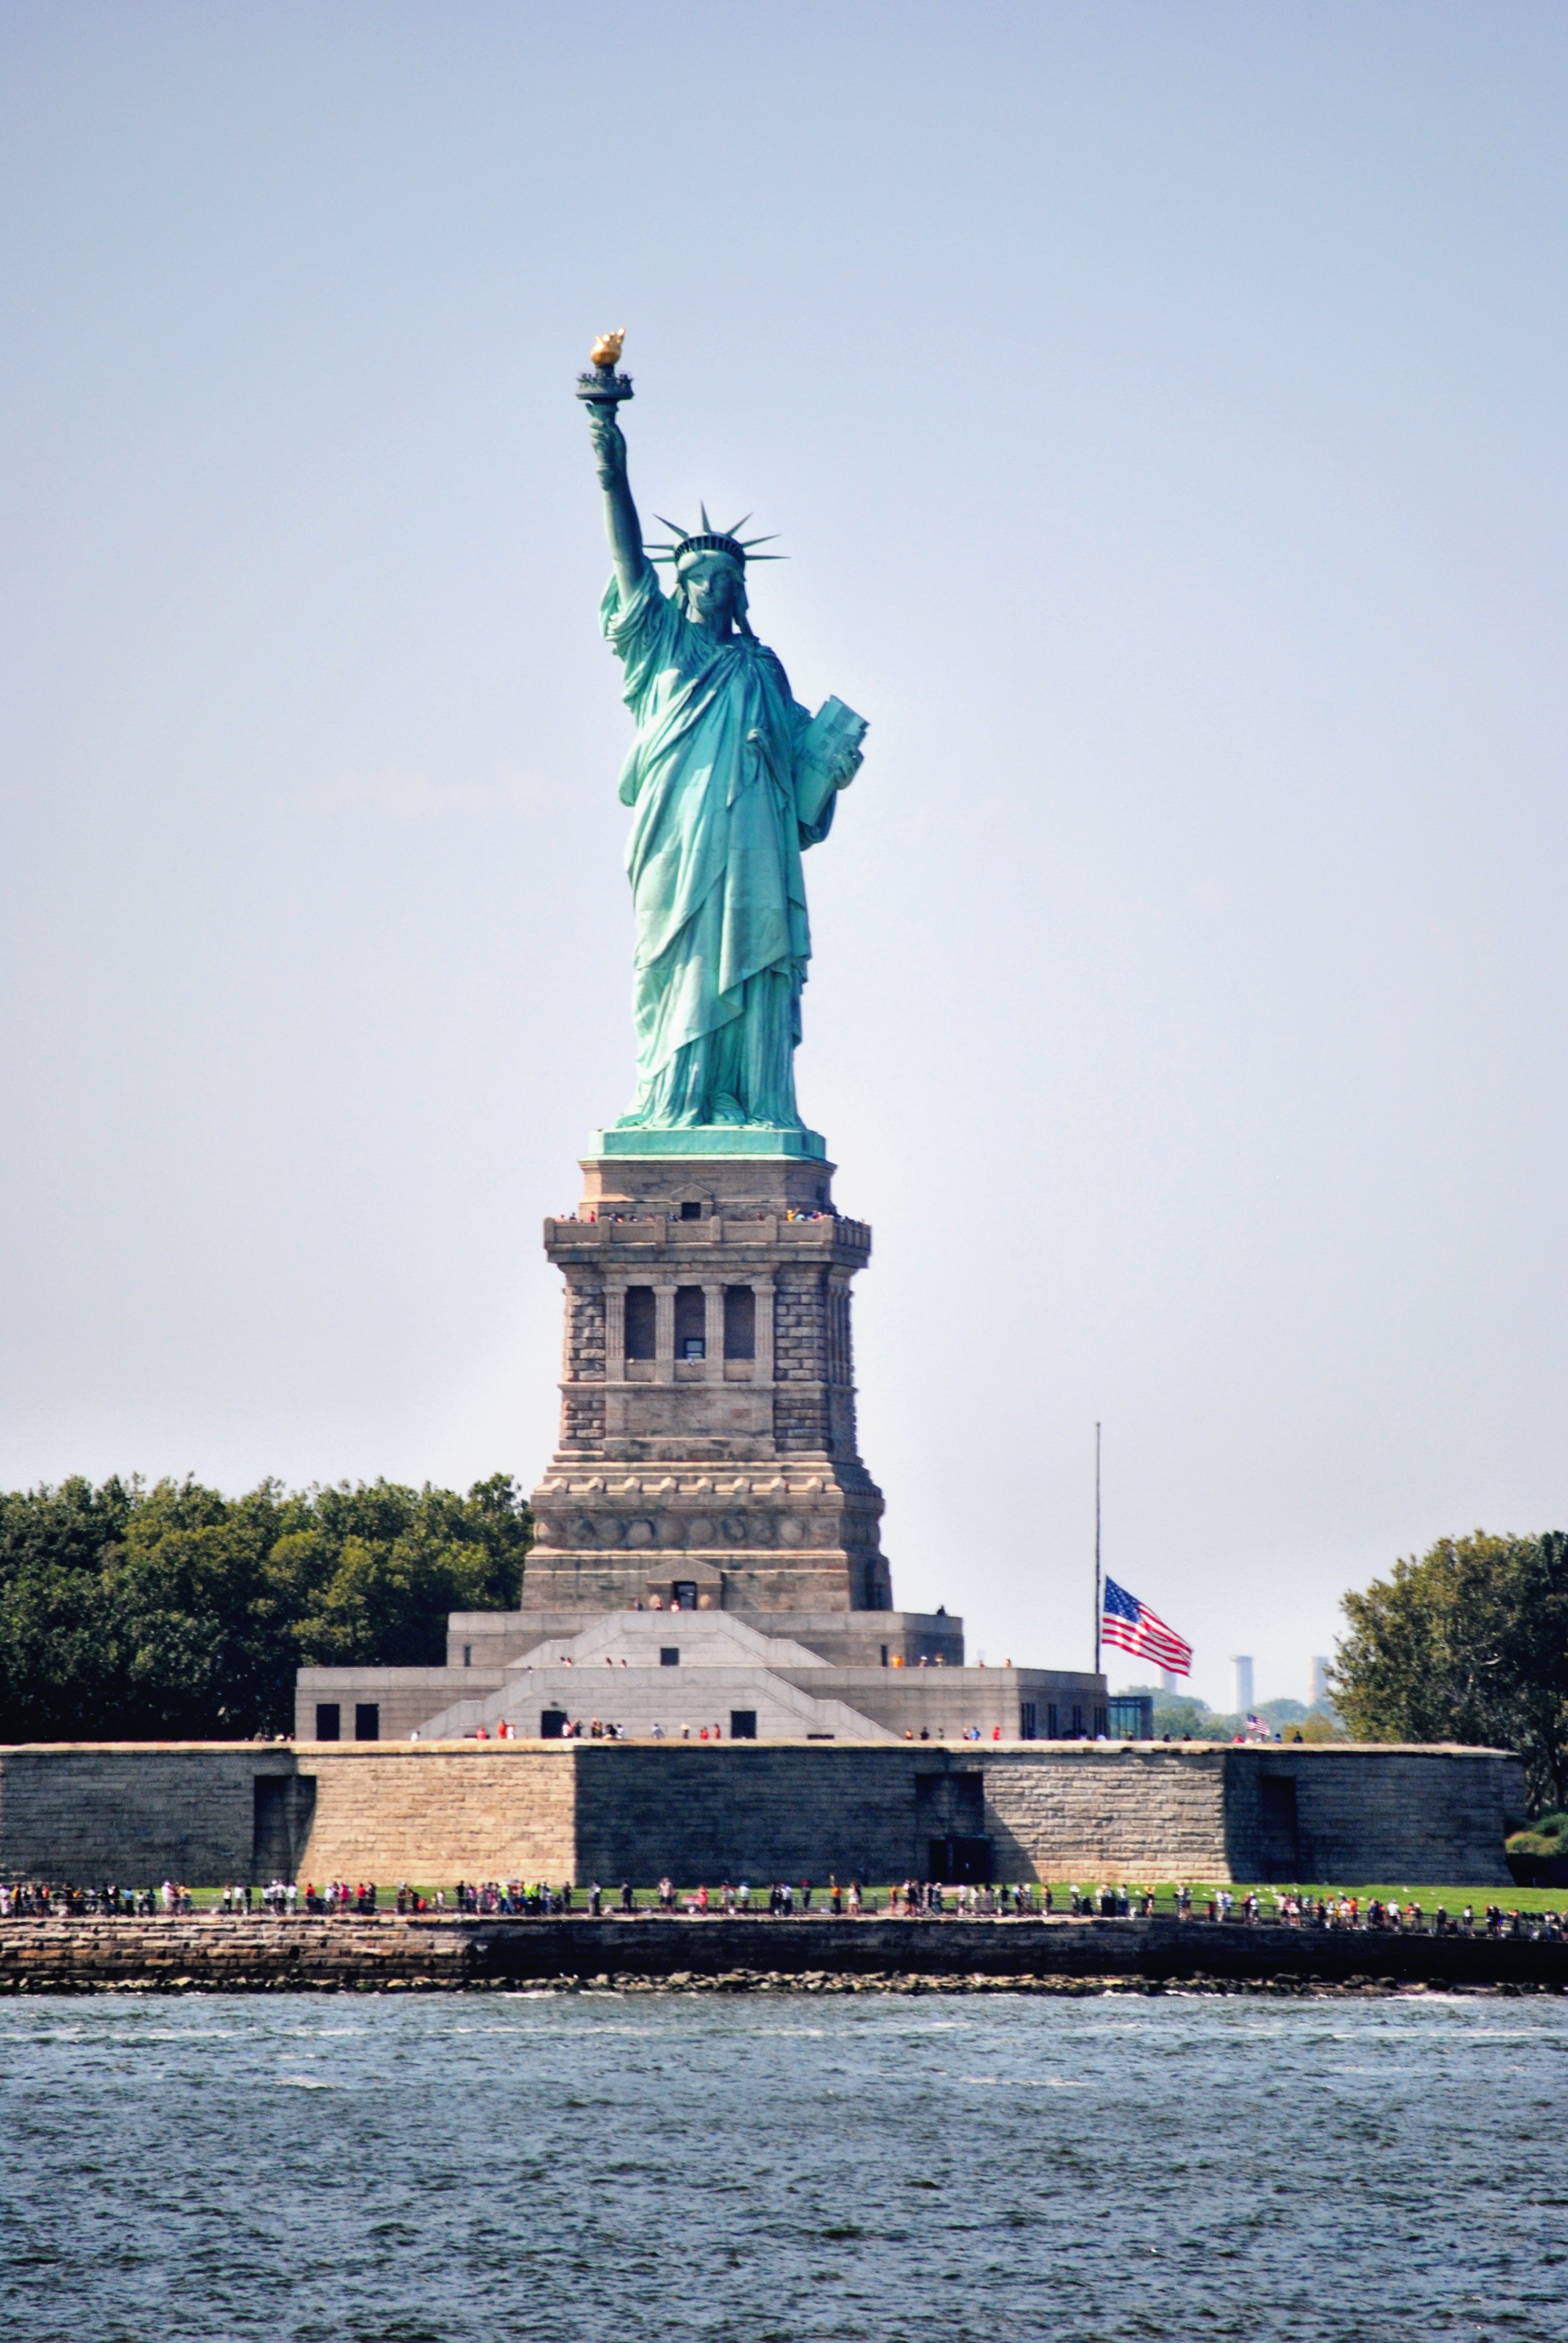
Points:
(729, 778)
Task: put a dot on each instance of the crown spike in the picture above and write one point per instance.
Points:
(707, 524)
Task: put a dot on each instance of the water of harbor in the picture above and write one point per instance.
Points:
(780, 2167)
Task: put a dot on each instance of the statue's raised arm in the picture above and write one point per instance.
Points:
(621, 524)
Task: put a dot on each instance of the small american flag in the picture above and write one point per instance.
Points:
(1134, 1627)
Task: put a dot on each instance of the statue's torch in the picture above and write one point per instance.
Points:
(604, 386)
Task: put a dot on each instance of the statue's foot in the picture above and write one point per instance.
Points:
(727, 1109)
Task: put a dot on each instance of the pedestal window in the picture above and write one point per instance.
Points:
(642, 1321)
(690, 1323)
(739, 1323)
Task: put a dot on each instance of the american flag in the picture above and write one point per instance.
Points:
(1134, 1627)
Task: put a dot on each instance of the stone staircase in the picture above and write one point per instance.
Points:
(613, 1671)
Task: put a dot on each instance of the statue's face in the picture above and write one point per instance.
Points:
(711, 587)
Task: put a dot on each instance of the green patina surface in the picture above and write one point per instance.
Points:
(711, 1138)
(729, 779)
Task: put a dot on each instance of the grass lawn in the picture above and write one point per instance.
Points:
(1452, 1899)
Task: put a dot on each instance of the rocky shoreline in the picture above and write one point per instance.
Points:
(386, 1954)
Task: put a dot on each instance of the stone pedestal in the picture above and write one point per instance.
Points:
(708, 1452)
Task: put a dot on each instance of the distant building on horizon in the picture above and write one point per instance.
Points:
(1242, 1664)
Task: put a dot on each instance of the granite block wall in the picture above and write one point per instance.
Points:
(203, 1812)
(1373, 1813)
(135, 1813)
(441, 1811)
(582, 1367)
(1094, 1813)
(760, 1810)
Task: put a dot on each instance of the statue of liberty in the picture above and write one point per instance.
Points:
(729, 779)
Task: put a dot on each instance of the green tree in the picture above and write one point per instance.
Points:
(189, 1638)
(381, 1566)
(1468, 1642)
(52, 1624)
(174, 1612)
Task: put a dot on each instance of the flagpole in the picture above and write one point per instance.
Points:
(1097, 1603)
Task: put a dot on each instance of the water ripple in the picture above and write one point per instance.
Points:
(647, 2166)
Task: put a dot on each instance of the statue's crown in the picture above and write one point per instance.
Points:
(708, 540)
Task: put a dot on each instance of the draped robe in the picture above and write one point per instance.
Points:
(714, 858)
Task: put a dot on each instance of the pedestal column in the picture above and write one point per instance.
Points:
(615, 1333)
(713, 1331)
(762, 1288)
(664, 1331)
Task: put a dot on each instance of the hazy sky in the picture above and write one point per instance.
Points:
(1162, 406)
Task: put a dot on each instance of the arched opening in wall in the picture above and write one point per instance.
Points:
(690, 1323)
(641, 1320)
(739, 1323)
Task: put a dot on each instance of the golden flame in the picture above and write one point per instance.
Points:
(606, 351)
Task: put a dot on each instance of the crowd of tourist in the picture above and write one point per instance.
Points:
(600, 1728)
(782, 1899)
(43, 1899)
(1328, 1912)
(790, 1212)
